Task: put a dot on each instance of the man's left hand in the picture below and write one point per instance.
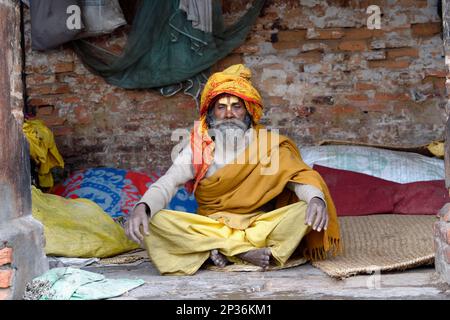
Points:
(317, 214)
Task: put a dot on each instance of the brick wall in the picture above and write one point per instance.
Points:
(6, 272)
(321, 72)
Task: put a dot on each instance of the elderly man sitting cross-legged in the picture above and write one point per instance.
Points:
(258, 201)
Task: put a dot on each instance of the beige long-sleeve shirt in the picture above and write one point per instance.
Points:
(162, 191)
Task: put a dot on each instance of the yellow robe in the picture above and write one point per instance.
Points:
(229, 217)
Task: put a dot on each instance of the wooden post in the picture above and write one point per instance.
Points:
(21, 237)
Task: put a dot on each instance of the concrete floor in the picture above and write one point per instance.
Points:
(302, 282)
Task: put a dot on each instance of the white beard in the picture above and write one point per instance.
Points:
(230, 139)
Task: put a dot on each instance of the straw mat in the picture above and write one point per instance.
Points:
(381, 243)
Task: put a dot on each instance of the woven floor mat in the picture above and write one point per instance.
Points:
(382, 243)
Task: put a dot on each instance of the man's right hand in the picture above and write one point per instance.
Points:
(137, 218)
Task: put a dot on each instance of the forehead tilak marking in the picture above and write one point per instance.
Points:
(228, 100)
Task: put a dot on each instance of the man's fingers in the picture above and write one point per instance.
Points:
(133, 236)
(137, 232)
(318, 218)
(310, 212)
(326, 222)
(324, 216)
(134, 231)
(126, 229)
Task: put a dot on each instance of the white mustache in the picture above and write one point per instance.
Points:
(229, 124)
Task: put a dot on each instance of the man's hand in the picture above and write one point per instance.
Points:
(132, 227)
(317, 214)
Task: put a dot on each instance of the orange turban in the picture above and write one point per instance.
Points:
(234, 80)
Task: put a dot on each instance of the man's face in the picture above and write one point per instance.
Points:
(229, 107)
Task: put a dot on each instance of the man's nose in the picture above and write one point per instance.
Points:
(229, 113)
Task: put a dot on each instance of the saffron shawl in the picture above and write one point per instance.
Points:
(240, 188)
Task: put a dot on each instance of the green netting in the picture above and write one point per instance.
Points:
(164, 49)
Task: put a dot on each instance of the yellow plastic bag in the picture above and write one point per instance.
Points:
(43, 150)
(437, 148)
(78, 227)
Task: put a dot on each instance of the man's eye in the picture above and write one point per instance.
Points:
(237, 106)
(221, 107)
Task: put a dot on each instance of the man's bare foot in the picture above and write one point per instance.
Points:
(258, 257)
(218, 258)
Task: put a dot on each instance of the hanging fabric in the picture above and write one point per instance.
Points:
(164, 49)
(49, 23)
(199, 12)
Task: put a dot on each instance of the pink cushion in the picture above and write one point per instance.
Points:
(356, 194)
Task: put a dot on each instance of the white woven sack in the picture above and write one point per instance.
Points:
(398, 166)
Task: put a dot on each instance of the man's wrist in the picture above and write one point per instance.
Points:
(147, 209)
(321, 200)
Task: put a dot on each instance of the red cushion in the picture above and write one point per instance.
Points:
(423, 197)
(356, 194)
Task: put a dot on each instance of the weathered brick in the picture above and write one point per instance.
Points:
(53, 120)
(36, 79)
(5, 256)
(247, 48)
(375, 107)
(229, 60)
(5, 278)
(362, 86)
(82, 115)
(62, 131)
(71, 99)
(45, 111)
(291, 35)
(188, 104)
(324, 33)
(402, 52)
(49, 89)
(362, 33)
(343, 109)
(5, 294)
(412, 3)
(384, 96)
(63, 67)
(377, 44)
(374, 55)
(439, 83)
(29, 69)
(286, 45)
(357, 97)
(37, 102)
(389, 64)
(328, 100)
(426, 29)
(313, 56)
(356, 45)
(111, 98)
(441, 73)
(303, 111)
